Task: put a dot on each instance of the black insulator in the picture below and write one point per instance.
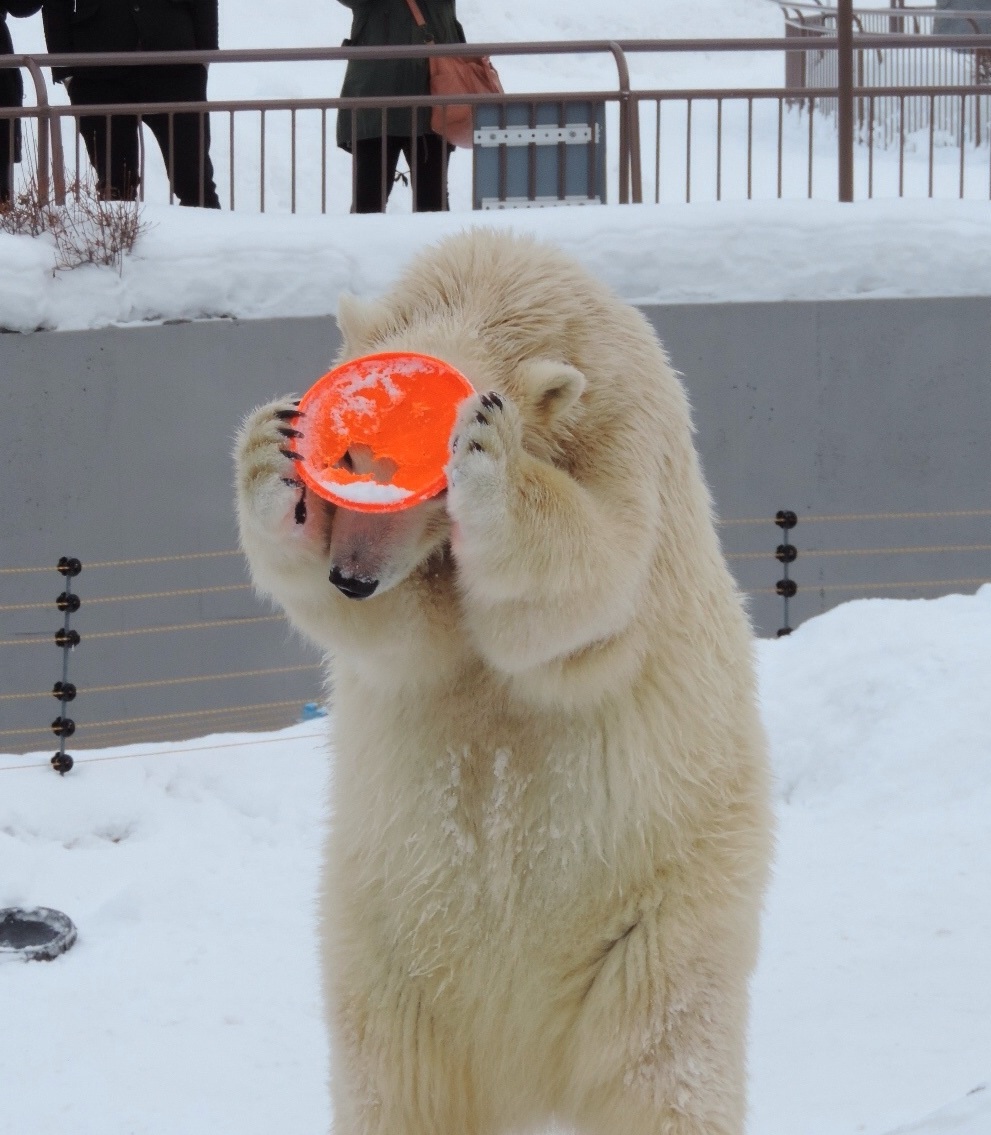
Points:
(786, 587)
(785, 518)
(68, 602)
(783, 631)
(69, 566)
(63, 727)
(66, 638)
(786, 553)
(64, 691)
(62, 762)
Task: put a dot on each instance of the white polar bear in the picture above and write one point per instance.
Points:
(551, 825)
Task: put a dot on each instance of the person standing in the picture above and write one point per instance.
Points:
(375, 151)
(139, 25)
(11, 94)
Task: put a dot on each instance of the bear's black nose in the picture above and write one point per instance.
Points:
(353, 588)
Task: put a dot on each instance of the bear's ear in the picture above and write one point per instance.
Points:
(358, 320)
(552, 388)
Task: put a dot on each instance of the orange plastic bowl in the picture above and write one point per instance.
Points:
(376, 430)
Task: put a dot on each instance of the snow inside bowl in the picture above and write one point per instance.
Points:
(376, 430)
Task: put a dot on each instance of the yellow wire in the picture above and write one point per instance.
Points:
(170, 752)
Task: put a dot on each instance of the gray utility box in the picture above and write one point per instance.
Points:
(539, 153)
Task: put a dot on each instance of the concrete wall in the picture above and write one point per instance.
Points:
(116, 447)
(870, 410)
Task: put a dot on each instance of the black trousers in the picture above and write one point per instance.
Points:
(185, 143)
(375, 161)
(10, 152)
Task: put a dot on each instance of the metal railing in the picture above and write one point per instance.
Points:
(889, 63)
(799, 139)
(49, 118)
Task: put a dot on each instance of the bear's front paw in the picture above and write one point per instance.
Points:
(269, 486)
(485, 441)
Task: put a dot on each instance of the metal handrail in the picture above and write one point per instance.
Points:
(820, 10)
(628, 107)
(44, 138)
(627, 99)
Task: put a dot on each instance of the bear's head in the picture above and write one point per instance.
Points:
(370, 553)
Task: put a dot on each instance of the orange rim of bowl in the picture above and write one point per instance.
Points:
(376, 430)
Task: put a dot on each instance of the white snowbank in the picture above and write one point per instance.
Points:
(193, 264)
(872, 1004)
(191, 1001)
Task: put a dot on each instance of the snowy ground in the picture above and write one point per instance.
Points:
(191, 1004)
(193, 264)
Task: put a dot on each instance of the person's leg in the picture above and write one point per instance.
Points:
(428, 169)
(375, 161)
(185, 144)
(8, 149)
(111, 141)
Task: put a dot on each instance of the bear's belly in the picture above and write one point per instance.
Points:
(488, 855)
(490, 878)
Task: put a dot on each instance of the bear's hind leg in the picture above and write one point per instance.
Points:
(659, 1043)
(395, 1074)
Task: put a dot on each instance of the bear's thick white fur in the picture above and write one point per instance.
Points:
(551, 826)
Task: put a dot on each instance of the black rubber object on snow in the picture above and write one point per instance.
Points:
(35, 934)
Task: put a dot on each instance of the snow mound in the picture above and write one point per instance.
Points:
(869, 698)
(969, 1116)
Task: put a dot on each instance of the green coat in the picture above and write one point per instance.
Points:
(378, 22)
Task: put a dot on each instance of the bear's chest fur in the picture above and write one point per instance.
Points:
(455, 831)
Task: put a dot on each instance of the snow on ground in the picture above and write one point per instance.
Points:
(873, 1006)
(191, 1001)
(193, 264)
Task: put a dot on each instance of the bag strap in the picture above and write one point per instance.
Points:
(420, 22)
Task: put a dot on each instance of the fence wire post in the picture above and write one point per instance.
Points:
(844, 101)
(66, 638)
(785, 554)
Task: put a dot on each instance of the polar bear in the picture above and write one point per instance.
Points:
(550, 827)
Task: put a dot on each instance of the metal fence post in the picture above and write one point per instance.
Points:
(844, 104)
(65, 638)
(51, 173)
(786, 554)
